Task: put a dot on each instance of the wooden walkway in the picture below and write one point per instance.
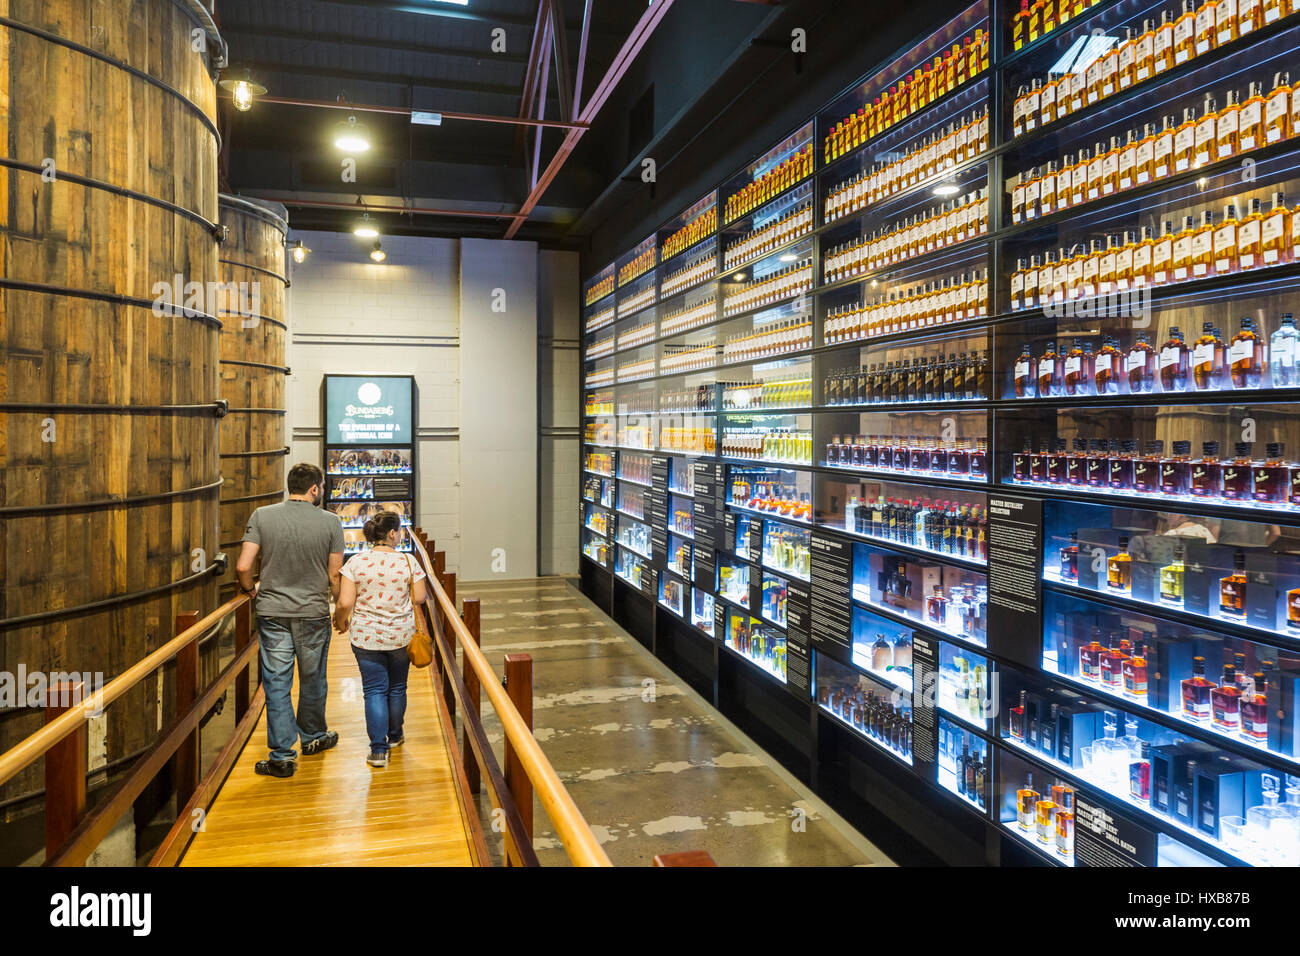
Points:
(336, 810)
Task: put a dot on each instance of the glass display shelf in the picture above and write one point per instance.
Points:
(1242, 574)
(699, 221)
(598, 403)
(354, 541)
(781, 168)
(690, 271)
(355, 514)
(597, 520)
(368, 461)
(641, 259)
(883, 649)
(1181, 787)
(964, 689)
(634, 468)
(351, 489)
(757, 642)
(774, 230)
(879, 713)
(963, 764)
(1123, 456)
(947, 372)
(600, 317)
(1239, 692)
(952, 527)
(596, 548)
(681, 518)
(634, 536)
(681, 477)
(671, 594)
(631, 567)
(733, 581)
(680, 556)
(775, 592)
(702, 610)
(770, 491)
(689, 309)
(599, 287)
(631, 501)
(774, 438)
(1036, 806)
(948, 600)
(744, 524)
(786, 549)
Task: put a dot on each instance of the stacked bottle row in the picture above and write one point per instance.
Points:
(934, 379)
(1115, 465)
(600, 463)
(698, 399)
(761, 443)
(688, 276)
(951, 222)
(775, 181)
(599, 433)
(1139, 56)
(701, 440)
(1049, 820)
(942, 527)
(684, 318)
(639, 336)
(766, 650)
(912, 454)
(597, 549)
(599, 377)
(599, 403)
(600, 348)
(637, 301)
(797, 222)
(705, 224)
(774, 338)
(771, 495)
(794, 279)
(959, 299)
(1044, 16)
(876, 715)
(794, 392)
(637, 403)
(599, 289)
(912, 93)
(1201, 250)
(640, 264)
(641, 368)
(924, 160)
(1209, 364)
(635, 536)
(682, 359)
(601, 318)
(634, 468)
(970, 769)
(1155, 152)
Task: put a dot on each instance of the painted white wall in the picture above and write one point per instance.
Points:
(408, 316)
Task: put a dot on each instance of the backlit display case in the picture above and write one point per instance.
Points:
(981, 386)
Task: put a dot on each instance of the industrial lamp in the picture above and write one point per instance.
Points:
(351, 136)
(377, 253)
(242, 91)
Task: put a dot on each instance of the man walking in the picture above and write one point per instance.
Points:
(302, 553)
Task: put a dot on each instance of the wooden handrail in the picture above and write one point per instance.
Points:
(37, 744)
(570, 825)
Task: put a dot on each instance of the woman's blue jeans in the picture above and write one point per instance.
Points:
(383, 682)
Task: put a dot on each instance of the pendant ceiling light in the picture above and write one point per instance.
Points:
(300, 252)
(351, 136)
(365, 229)
(242, 90)
(377, 253)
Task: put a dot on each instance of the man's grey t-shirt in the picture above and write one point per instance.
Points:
(296, 540)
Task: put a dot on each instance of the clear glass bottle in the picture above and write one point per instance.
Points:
(1282, 353)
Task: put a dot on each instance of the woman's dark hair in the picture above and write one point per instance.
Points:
(378, 527)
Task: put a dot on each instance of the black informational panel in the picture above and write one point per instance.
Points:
(1105, 837)
(1015, 578)
(830, 600)
(925, 692)
(798, 662)
(369, 455)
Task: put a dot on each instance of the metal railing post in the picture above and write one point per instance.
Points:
(519, 687)
(470, 615)
(65, 769)
(186, 762)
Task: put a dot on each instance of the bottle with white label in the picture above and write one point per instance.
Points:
(1282, 353)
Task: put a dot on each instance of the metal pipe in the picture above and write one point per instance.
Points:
(413, 210)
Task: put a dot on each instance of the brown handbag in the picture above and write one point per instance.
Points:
(420, 650)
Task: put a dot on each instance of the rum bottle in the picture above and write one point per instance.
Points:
(1277, 109)
(1282, 353)
(1175, 472)
(1250, 119)
(1140, 365)
(1225, 702)
(1207, 474)
(1249, 237)
(1225, 242)
(1276, 233)
(1237, 475)
(1207, 359)
(1146, 470)
(1196, 693)
(1174, 363)
(1119, 568)
(1049, 372)
(1107, 368)
(1246, 356)
(1026, 803)
(1272, 478)
(1069, 556)
(1254, 704)
(1172, 576)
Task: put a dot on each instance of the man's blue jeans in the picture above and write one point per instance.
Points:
(284, 639)
(383, 682)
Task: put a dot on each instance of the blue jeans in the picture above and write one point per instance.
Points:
(284, 639)
(383, 682)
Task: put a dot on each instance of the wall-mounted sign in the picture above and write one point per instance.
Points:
(368, 410)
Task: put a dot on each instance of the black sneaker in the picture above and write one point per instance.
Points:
(378, 759)
(275, 768)
(396, 741)
(320, 743)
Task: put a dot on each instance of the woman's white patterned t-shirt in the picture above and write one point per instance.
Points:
(382, 619)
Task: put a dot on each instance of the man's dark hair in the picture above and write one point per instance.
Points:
(302, 476)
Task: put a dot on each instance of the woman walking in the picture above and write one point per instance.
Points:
(376, 606)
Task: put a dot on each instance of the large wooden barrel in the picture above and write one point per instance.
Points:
(253, 373)
(109, 476)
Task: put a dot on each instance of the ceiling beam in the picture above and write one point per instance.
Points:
(266, 68)
(248, 31)
(582, 57)
(451, 13)
(541, 100)
(560, 46)
(641, 33)
(406, 111)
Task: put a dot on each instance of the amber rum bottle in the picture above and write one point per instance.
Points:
(1174, 362)
(1246, 356)
(1206, 479)
(1207, 359)
(1232, 588)
(1237, 474)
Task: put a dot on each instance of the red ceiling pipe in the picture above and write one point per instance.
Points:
(371, 207)
(638, 38)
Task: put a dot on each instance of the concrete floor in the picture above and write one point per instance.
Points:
(652, 766)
